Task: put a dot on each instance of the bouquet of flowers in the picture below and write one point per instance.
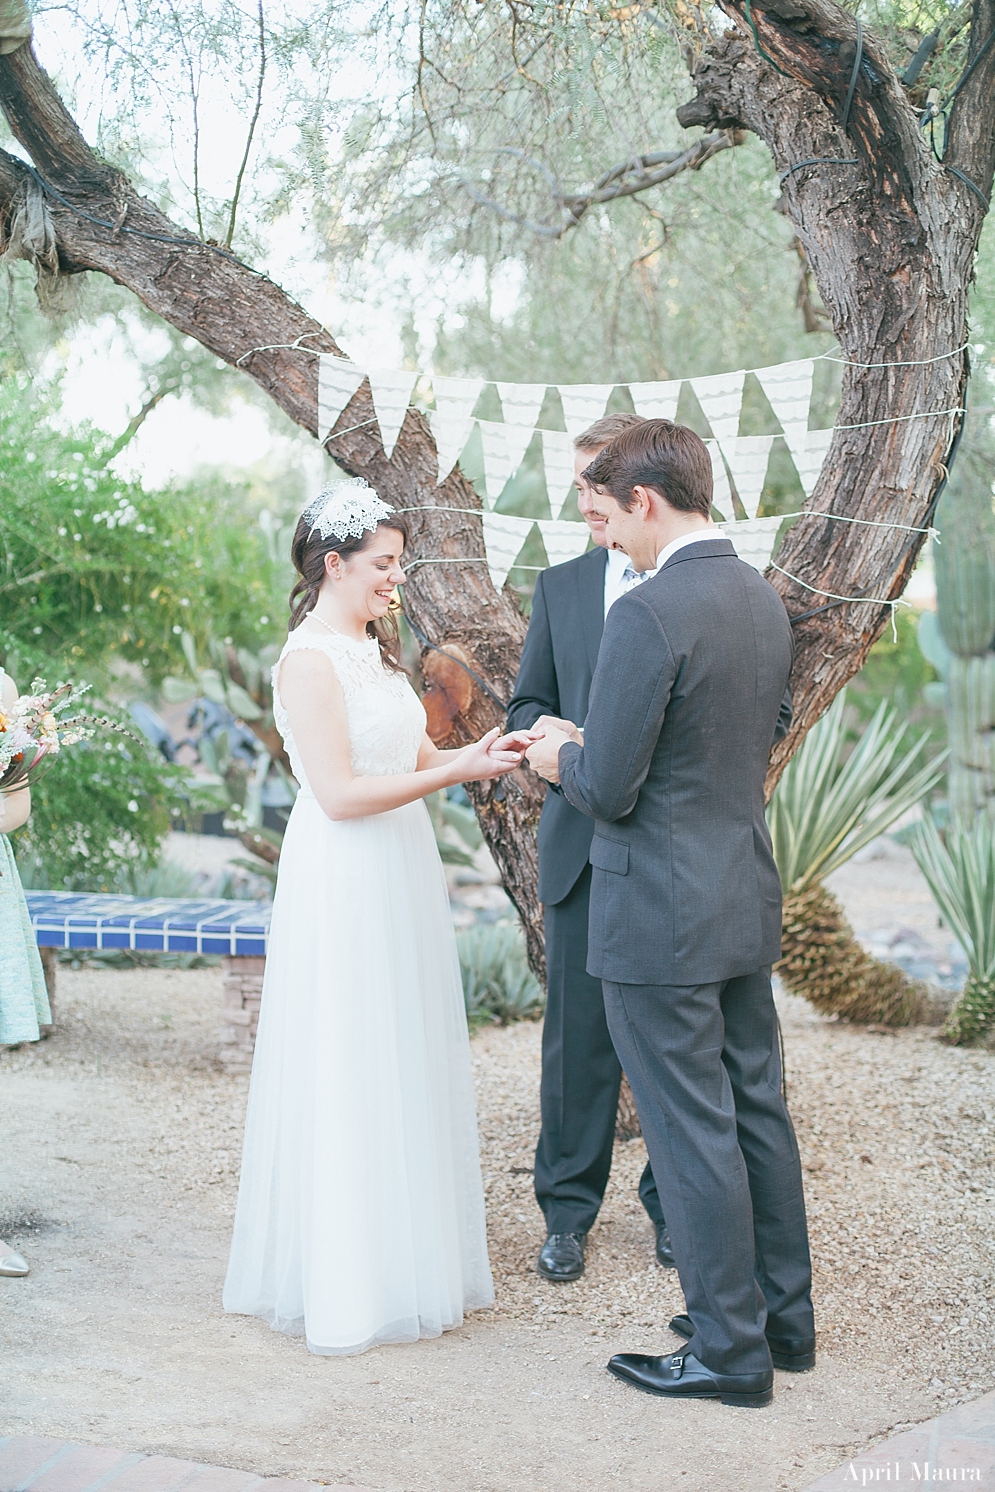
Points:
(36, 727)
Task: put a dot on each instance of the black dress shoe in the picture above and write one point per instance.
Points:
(664, 1251)
(561, 1257)
(790, 1354)
(684, 1377)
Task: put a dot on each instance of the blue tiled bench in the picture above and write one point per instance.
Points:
(70, 919)
(236, 929)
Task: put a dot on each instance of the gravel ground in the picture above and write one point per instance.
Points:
(121, 1139)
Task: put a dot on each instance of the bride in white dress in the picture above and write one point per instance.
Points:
(360, 1216)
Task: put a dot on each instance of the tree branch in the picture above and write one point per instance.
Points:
(630, 177)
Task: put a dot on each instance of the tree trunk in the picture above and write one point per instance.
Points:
(891, 235)
(891, 242)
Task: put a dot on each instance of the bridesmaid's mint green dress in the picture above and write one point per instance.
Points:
(23, 996)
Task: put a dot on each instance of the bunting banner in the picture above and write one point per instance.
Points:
(563, 539)
(721, 491)
(656, 401)
(747, 457)
(720, 398)
(558, 466)
(808, 451)
(504, 447)
(392, 389)
(338, 380)
(504, 537)
(754, 539)
(521, 402)
(452, 418)
(787, 387)
(583, 403)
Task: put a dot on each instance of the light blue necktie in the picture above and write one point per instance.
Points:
(631, 578)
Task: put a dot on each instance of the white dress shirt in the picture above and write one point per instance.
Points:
(616, 583)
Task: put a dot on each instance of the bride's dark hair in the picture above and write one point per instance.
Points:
(308, 553)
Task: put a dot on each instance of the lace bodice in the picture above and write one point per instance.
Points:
(386, 717)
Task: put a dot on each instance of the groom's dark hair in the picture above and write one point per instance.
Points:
(659, 454)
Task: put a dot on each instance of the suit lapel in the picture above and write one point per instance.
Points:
(589, 579)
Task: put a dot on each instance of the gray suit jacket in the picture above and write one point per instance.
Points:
(684, 707)
(554, 678)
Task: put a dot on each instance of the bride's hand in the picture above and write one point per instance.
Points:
(492, 756)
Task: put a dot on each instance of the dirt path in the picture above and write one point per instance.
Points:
(120, 1146)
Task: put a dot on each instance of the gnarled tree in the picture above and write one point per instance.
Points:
(890, 232)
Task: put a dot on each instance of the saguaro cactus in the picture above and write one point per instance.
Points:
(960, 640)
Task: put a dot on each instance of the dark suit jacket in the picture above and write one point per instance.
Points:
(554, 678)
(684, 706)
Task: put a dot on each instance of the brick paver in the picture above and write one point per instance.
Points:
(957, 1448)
(31, 1463)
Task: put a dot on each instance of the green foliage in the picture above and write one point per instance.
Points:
(960, 868)
(498, 985)
(98, 575)
(896, 672)
(825, 809)
(100, 816)
(457, 832)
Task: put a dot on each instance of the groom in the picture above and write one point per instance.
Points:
(686, 911)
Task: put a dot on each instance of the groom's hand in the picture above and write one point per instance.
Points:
(551, 722)
(543, 756)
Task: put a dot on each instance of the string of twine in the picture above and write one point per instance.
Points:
(817, 357)
(864, 600)
(909, 528)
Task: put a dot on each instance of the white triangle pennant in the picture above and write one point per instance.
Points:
(583, 403)
(392, 389)
(563, 539)
(788, 387)
(504, 537)
(504, 446)
(558, 463)
(721, 491)
(808, 456)
(720, 397)
(521, 402)
(656, 401)
(747, 456)
(450, 433)
(754, 539)
(338, 380)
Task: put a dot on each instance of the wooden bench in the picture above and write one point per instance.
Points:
(237, 930)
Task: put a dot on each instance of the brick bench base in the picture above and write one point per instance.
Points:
(240, 1009)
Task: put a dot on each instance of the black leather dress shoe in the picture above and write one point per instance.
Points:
(561, 1257)
(664, 1252)
(684, 1377)
(790, 1354)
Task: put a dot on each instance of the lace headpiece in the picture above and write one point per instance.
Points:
(347, 509)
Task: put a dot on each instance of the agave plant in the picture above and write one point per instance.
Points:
(824, 810)
(960, 868)
(498, 985)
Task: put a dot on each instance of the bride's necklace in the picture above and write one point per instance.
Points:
(334, 630)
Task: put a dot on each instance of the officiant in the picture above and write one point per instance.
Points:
(580, 1070)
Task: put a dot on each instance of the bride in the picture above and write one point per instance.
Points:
(360, 1215)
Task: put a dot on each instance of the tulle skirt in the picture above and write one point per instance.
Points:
(360, 1216)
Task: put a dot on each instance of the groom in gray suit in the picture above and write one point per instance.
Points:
(686, 911)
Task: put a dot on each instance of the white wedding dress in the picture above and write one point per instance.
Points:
(360, 1215)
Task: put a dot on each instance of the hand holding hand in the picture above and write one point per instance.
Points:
(551, 722)
(543, 756)
(492, 756)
